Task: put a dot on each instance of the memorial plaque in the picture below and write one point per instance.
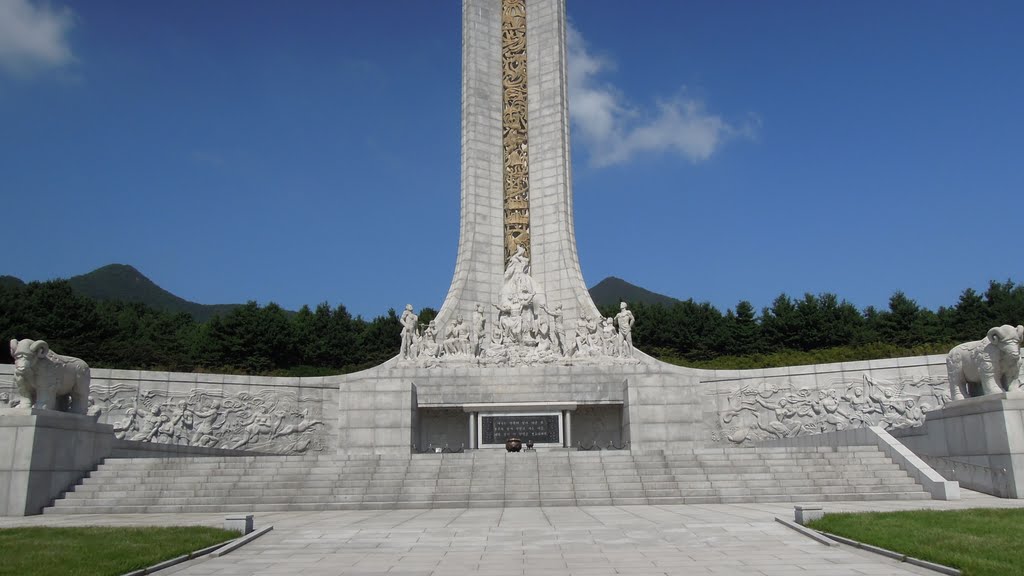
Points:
(538, 428)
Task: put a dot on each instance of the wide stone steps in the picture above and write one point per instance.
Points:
(487, 479)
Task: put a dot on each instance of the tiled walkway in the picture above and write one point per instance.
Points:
(719, 539)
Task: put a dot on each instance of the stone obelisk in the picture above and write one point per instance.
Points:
(516, 176)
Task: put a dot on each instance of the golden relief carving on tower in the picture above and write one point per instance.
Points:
(513, 122)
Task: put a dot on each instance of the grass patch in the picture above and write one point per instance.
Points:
(980, 542)
(99, 551)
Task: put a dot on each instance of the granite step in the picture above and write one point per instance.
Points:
(491, 479)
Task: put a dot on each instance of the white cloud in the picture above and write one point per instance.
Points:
(613, 131)
(33, 36)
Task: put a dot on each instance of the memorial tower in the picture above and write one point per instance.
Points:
(516, 176)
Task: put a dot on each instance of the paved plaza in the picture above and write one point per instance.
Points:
(719, 539)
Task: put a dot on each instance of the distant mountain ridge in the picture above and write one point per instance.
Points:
(612, 290)
(10, 282)
(124, 283)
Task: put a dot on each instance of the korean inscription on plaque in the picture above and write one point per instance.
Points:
(542, 429)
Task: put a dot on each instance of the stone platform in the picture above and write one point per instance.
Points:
(978, 442)
(43, 452)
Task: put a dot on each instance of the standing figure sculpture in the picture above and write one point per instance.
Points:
(625, 321)
(992, 363)
(609, 339)
(45, 379)
(409, 323)
(479, 330)
(557, 329)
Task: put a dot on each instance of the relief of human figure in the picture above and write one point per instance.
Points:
(510, 316)
(586, 334)
(151, 424)
(209, 422)
(826, 409)
(884, 397)
(409, 323)
(123, 428)
(625, 320)
(462, 336)
(178, 426)
(428, 341)
(609, 339)
(456, 341)
(859, 402)
(479, 330)
(257, 424)
(557, 329)
(518, 265)
(543, 337)
(786, 424)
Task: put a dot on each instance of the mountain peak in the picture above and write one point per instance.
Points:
(612, 290)
(125, 283)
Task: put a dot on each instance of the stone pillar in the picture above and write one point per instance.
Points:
(472, 431)
(43, 453)
(567, 422)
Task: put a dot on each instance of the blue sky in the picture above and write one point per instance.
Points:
(309, 152)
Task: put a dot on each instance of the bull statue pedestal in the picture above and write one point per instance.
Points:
(45, 452)
(978, 442)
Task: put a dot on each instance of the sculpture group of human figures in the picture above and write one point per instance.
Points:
(426, 341)
(525, 329)
(544, 334)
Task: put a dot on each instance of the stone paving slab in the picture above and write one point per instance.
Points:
(711, 539)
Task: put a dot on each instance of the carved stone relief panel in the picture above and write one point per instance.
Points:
(268, 420)
(514, 128)
(767, 409)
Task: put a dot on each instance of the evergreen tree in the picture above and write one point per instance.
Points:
(780, 325)
(1005, 303)
(743, 333)
(971, 318)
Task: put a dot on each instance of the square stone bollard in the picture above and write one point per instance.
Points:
(805, 514)
(242, 524)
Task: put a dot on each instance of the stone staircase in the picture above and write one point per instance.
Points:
(487, 479)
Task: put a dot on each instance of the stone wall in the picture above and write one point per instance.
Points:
(662, 407)
(253, 413)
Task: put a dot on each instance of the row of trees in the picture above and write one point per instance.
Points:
(257, 339)
(250, 339)
(699, 331)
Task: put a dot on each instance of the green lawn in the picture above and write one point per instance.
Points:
(981, 542)
(98, 551)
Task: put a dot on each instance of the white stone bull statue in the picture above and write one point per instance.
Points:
(993, 363)
(44, 378)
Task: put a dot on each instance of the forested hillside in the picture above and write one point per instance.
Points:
(255, 339)
(250, 339)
